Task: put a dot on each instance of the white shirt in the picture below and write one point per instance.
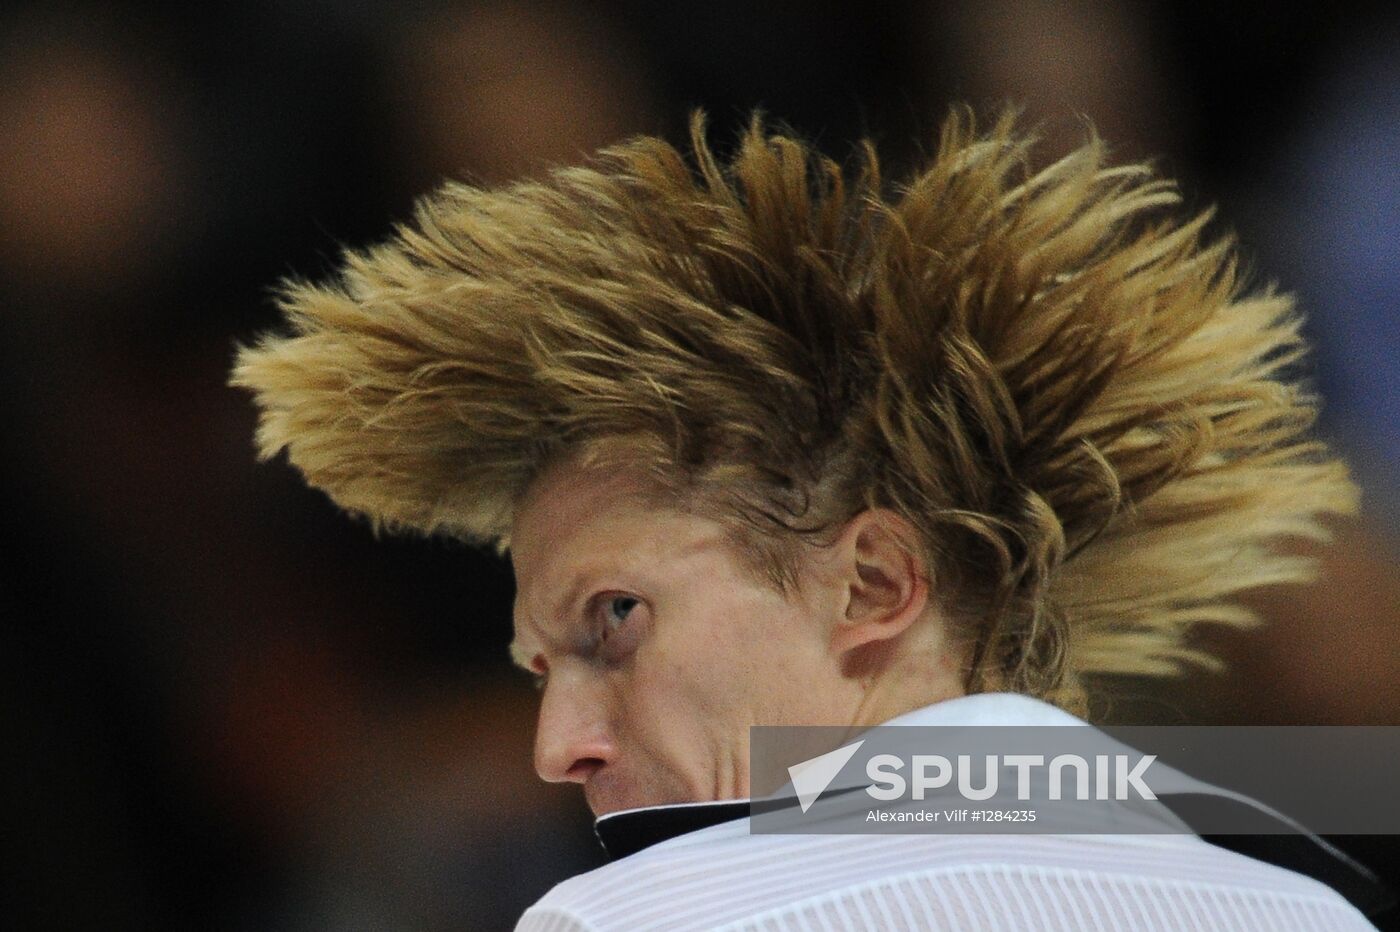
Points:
(722, 877)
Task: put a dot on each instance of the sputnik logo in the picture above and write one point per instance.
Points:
(811, 777)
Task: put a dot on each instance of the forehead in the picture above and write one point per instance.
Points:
(579, 525)
(569, 502)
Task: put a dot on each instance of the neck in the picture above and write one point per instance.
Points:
(916, 669)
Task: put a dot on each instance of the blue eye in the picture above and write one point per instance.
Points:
(617, 608)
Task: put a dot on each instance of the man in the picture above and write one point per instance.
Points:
(771, 446)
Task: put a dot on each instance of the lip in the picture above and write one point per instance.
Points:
(602, 807)
(601, 793)
(606, 793)
(605, 797)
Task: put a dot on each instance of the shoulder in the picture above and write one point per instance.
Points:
(723, 876)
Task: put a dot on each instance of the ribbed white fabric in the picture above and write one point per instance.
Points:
(724, 878)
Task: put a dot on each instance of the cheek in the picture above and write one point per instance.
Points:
(677, 687)
(667, 731)
(685, 685)
(731, 659)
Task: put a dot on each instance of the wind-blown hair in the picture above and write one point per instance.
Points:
(1090, 420)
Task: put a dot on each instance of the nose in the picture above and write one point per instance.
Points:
(572, 740)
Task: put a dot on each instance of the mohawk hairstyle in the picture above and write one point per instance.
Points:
(1074, 400)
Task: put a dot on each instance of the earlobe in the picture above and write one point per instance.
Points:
(886, 587)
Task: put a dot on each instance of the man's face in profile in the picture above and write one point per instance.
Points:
(657, 646)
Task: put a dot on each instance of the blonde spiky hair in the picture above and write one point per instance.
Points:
(1049, 375)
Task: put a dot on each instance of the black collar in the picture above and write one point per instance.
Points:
(631, 830)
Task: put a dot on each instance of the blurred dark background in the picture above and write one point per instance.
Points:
(228, 707)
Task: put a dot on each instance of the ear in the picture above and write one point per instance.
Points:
(884, 582)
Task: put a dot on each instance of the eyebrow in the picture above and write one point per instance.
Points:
(584, 579)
